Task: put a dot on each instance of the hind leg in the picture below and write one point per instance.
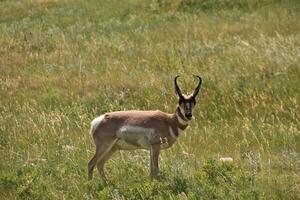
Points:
(102, 149)
(92, 164)
(100, 164)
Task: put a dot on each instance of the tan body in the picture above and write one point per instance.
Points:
(129, 130)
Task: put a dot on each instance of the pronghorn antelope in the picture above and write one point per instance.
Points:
(153, 130)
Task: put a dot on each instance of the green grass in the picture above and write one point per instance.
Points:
(65, 62)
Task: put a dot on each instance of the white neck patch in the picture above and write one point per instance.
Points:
(180, 120)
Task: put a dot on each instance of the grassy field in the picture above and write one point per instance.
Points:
(64, 62)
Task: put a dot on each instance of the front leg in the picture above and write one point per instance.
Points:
(154, 154)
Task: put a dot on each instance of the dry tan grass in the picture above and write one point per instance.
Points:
(64, 62)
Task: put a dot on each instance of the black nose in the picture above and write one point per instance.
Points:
(188, 116)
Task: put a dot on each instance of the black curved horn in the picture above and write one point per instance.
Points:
(198, 86)
(177, 87)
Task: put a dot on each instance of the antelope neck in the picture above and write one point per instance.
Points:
(182, 122)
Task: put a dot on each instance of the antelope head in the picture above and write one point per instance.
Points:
(187, 103)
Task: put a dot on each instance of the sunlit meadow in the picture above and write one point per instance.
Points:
(64, 62)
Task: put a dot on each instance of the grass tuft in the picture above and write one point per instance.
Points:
(62, 63)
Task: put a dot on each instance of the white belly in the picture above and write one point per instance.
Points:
(134, 137)
(122, 144)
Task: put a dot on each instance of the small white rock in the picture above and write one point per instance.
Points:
(226, 159)
(68, 147)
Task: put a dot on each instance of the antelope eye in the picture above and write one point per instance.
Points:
(192, 101)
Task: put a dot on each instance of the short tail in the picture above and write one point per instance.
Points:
(95, 123)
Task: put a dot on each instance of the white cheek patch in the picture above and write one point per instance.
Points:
(181, 110)
(95, 123)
